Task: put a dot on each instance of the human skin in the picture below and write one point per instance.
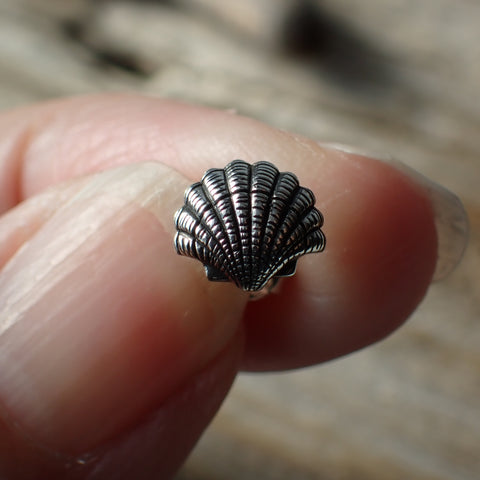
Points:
(115, 353)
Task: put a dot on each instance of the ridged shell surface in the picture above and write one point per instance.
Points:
(248, 224)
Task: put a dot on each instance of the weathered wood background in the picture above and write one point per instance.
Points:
(397, 76)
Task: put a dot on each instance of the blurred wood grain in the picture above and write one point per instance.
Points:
(396, 77)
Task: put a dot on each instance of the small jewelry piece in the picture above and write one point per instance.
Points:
(248, 224)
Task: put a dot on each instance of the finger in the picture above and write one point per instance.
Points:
(378, 263)
(381, 236)
(99, 326)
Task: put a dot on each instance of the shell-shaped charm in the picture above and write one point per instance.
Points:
(248, 224)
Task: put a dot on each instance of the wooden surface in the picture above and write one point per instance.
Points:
(387, 75)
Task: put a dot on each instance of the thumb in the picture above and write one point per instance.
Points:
(100, 321)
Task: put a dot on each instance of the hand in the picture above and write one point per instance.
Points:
(115, 353)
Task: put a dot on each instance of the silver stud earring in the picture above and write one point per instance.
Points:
(248, 224)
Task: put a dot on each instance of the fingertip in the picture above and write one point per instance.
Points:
(379, 261)
(97, 307)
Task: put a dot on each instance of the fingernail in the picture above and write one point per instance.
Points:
(451, 219)
(100, 319)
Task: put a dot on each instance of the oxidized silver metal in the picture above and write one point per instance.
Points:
(248, 224)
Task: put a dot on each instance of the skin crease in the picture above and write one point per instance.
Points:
(378, 263)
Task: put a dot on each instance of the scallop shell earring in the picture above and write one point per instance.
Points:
(248, 224)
